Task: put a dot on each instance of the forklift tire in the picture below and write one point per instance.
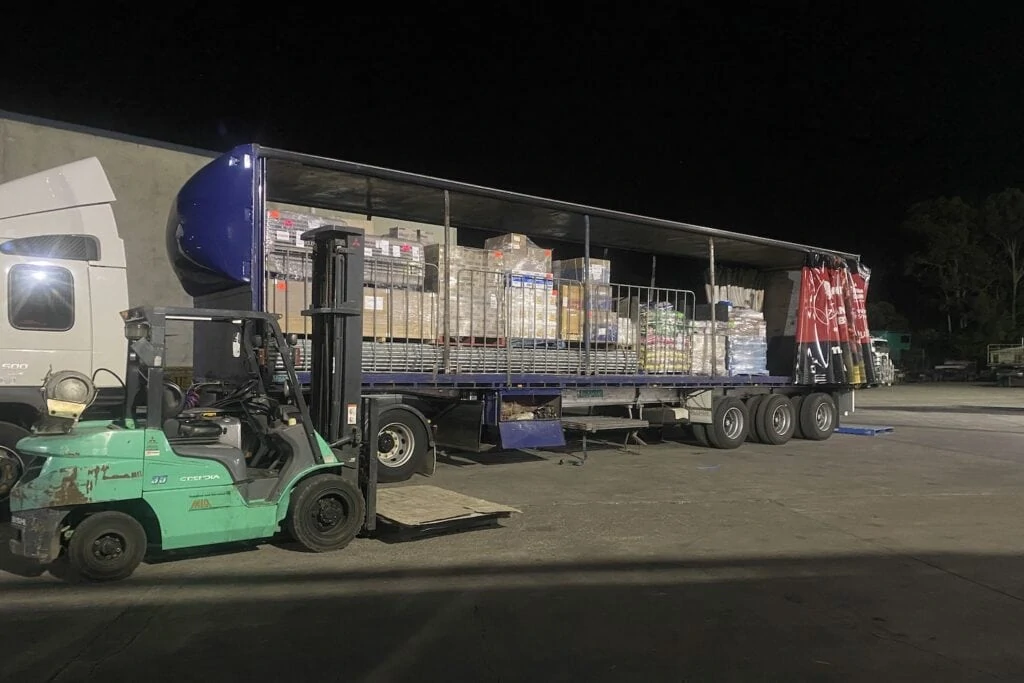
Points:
(401, 446)
(818, 416)
(10, 463)
(326, 512)
(106, 546)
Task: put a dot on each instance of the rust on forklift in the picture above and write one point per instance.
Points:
(67, 492)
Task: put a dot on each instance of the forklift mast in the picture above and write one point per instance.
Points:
(336, 363)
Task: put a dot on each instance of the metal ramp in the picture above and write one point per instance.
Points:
(594, 424)
(425, 510)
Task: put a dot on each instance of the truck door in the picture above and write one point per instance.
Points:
(46, 320)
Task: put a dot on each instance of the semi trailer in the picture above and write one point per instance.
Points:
(502, 346)
(466, 348)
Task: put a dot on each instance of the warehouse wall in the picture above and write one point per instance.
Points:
(145, 177)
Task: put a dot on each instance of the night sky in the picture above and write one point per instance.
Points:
(818, 128)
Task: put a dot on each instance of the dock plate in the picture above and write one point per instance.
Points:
(421, 510)
(864, 430)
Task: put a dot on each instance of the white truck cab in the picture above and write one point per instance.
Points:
(63, 283)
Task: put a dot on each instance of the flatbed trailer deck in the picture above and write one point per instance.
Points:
(232, 245)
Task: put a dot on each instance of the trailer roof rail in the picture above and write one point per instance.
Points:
(334, 184)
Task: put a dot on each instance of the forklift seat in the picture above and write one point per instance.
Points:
(229, 456)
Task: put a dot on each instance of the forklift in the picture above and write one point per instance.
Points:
(248, 463)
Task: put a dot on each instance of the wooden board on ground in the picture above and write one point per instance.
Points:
(419, 506)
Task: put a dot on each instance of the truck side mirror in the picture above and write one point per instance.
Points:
(292, 339)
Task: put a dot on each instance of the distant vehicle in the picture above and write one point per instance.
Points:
(885, 372)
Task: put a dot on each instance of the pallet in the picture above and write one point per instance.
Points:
(499, 342)
(400, 340)
(407, 512)
(864, 430)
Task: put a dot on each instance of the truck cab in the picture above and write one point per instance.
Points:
(63, 281)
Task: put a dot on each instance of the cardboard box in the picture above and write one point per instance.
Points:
(532, 313)
(571, 297)
(414, 315)
(474, 289)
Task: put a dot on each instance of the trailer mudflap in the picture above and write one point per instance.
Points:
(423, 510)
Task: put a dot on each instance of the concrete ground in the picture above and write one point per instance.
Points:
(897, 557)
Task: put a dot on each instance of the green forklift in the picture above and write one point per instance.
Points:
(253, 463)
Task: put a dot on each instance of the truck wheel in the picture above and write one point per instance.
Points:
(775, 420)
(753, 402)
(106, 546)
(818, 416)
(10, 463)
(401, 445)
(326, 512)
(797, 401)
(730, 423)
(700, 433)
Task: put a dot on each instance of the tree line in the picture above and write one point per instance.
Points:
(966, 262)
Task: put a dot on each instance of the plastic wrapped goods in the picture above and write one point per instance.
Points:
(286, 255)
(627, 332)
(665, 339)
(747, 345)
(474, 290)
(575, 269)
(520, 254)
(394, 263)
(532, 313)
(702, 351)
(666, 354)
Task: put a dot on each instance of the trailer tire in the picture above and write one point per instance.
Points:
(730, 423)
(106, 546)
(818, 416)
(753, 403)
(325, 513)
(401, 445)
(775, 420)
(797, 401)
(10, 464)
(700, 433)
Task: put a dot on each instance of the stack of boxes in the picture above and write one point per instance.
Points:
(604, 321)
(286, 255)
(394, 303)
(474, 290)
(531, 305)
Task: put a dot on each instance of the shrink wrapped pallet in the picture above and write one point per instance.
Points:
(575, 269)
(286, 255)
(520, 254)
(747, 344)
(532, 313)
(394, 263)
(664, 339)
(413, 315)
(702, 348)
(474, 290)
